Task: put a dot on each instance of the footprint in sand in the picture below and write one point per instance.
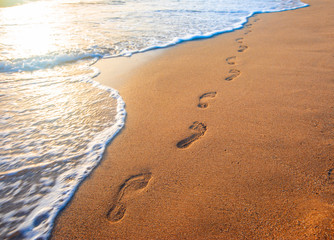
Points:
(234, 74)
(247, 31)
(231, 60)
(131, 185)
(204, 98)
(242, 48)
(239, 40)
(199, 129)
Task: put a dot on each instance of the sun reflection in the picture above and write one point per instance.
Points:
(29, 29)
(37, 41)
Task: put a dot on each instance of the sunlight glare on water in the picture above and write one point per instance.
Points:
(36, 36)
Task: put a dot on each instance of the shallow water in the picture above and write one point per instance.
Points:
(55, 119)
(54, 131)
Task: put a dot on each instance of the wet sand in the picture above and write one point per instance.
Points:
(226, 138)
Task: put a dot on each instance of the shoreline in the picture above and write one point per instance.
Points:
(255, 163)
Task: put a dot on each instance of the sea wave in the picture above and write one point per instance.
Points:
(47, 61)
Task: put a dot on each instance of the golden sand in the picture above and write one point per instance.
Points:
(226, 138)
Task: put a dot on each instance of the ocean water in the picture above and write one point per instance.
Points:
(55, 119)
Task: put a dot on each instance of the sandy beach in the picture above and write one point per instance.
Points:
(226, 138)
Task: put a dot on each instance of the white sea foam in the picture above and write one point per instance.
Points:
(56, 120)
(49, 148)
(43, 62)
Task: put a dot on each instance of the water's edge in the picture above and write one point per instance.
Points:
(112, 132)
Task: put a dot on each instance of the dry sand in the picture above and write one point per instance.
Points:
(257, 163)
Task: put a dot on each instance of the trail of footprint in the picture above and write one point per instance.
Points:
(231, 60)
(242, 48)
(234, 74)
(199, 128)
(204, 97)
(131, 185)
